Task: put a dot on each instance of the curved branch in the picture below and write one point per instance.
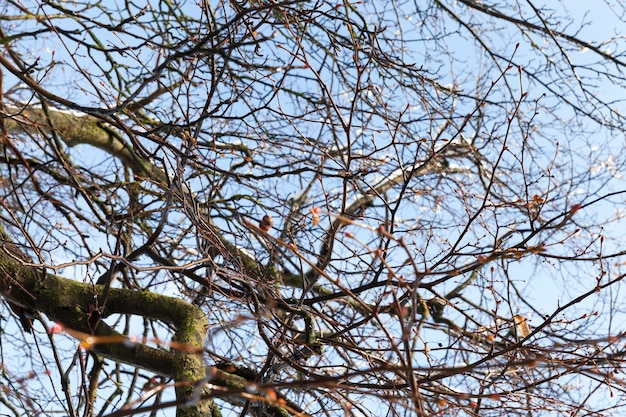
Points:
(80, 306)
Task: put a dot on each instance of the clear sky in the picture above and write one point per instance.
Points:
(568, 151)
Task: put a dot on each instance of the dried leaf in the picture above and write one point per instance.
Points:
(522, 328)
(266, 223)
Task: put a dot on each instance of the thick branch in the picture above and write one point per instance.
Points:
(77, 128)
(79, 306)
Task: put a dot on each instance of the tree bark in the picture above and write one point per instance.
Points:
(79, 307)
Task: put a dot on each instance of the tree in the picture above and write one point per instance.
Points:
(285, 208)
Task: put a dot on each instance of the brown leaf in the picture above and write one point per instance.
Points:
(266, 223)
(522, 328)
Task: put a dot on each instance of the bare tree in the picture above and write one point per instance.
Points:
(290, 208)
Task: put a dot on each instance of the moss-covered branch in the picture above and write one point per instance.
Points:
(77, 128)
(80, 307)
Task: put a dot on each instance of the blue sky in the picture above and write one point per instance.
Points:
(567, 147)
